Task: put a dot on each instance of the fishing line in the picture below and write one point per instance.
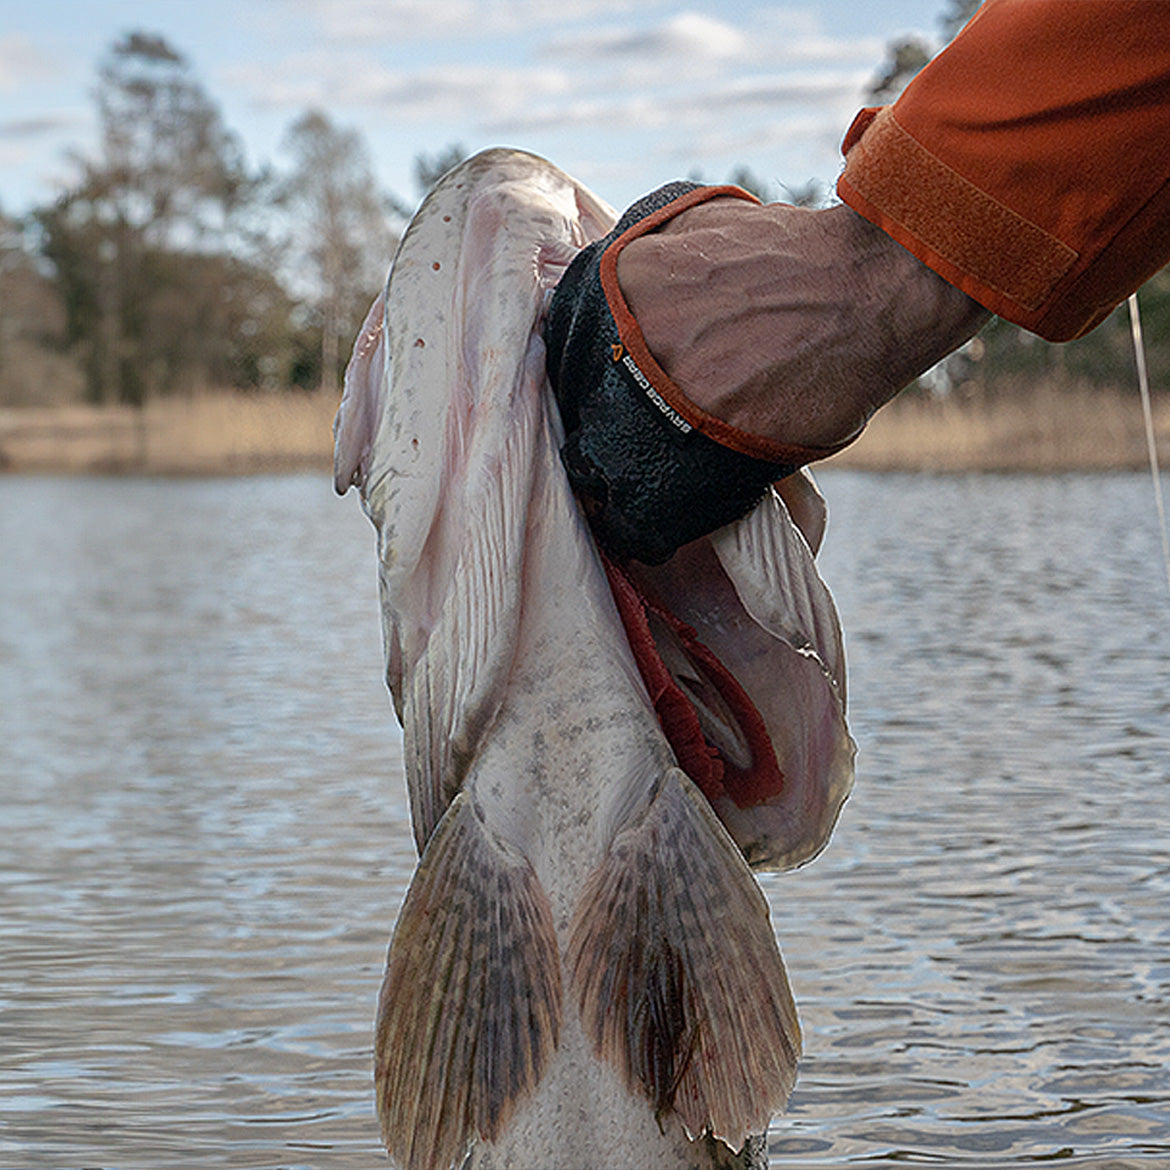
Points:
(1139, 351)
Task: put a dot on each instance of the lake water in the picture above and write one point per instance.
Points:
(204, 837)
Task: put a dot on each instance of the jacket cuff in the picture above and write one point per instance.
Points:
(999, 258)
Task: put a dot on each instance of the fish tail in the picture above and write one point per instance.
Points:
(470, 1008)
(674, 966)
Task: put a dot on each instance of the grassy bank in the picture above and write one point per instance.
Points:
(1043, 429)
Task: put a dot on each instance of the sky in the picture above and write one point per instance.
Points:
(623, 94)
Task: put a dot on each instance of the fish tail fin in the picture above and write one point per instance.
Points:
(674, 966)
(470, 1008)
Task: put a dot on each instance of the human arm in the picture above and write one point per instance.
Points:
(1027, 167)
(1025, 172)
(1029, 162)
(789, 323)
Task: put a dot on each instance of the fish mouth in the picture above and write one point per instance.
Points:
(716, 732)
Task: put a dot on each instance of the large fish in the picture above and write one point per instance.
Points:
(584, 972)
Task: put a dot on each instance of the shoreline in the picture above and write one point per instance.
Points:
(205, 434)
(215, 433)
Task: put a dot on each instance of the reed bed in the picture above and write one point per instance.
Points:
(1044, 428)
(210, 433)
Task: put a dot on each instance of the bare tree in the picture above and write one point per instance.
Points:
(166, 184)
(33, 365)
(957, 13)
(907, 55)
(168, 164)
(340, 228)
(430, 168)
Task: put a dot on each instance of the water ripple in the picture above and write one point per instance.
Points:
(206, 836)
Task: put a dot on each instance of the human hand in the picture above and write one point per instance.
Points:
(725, 346)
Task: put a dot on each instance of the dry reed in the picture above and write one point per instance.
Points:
(1042, 429)
(210, 433)
(1045, 428)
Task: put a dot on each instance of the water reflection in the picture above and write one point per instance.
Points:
(205, 836)
(208, 849)
(982, 954)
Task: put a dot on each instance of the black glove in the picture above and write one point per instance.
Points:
(641, 457)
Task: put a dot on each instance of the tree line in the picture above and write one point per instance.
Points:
(169, 265)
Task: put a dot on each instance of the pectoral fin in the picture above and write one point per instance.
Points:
(469, 1013)
(677, 975)
(362, 402)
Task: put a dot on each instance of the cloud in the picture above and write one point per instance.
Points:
(682, 38)
(818, 129)
(39, 127)
(774, 40)
(683, 108)
(639, 87)
(450, 91)
(642, 70)
(21, 61)
(767, 57)
(393, 21)
(795, 35)
(345, 81)
(768, 93)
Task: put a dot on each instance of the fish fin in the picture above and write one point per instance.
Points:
(806, 506)
(470, 1008)
(454, 463)
(770, 564)
(361, 403)
(675, 968)
(453, 691)
(789, 657)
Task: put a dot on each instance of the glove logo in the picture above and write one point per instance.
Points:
(627, 364)
(617, 351)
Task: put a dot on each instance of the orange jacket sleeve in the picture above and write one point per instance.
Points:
(1029, 162)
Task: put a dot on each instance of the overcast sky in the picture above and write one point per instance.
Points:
(623, 94)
